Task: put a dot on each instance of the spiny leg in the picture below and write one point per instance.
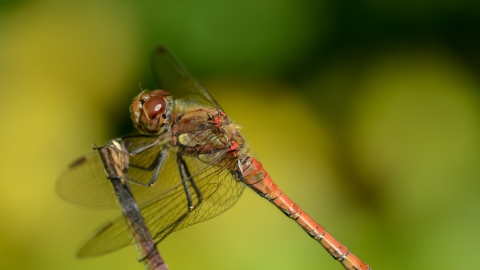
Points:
(186, 177)
(156, 166)
(134, 152)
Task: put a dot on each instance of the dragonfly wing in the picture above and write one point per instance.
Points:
(171, 76)
(219, 191)
(85, 182)
(113, 236)
(168, 190)
(168, 211)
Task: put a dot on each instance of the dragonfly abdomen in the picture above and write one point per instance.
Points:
(258, 179)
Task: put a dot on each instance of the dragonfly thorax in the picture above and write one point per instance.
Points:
(206, 131)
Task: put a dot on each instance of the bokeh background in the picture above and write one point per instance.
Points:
(367, 113)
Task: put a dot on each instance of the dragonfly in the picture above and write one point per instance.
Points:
(189, 163)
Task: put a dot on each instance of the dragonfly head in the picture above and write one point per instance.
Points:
(150, 111)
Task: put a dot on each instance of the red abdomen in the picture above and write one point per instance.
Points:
(258, 179)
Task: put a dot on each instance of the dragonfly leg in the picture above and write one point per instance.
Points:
(156, 166)
(187, 177)
(138, 150)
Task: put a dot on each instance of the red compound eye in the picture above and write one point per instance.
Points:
(154, 106)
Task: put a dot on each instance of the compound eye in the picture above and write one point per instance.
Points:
(154, 106)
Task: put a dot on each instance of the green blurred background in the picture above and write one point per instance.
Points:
(366, 113)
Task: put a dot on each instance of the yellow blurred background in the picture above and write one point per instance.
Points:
(366, 114)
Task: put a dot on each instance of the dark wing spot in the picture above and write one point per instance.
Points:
(78, 162)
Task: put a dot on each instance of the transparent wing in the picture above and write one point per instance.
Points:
(219, 191)
(171, 76)
(85, 182)
(169, 212)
